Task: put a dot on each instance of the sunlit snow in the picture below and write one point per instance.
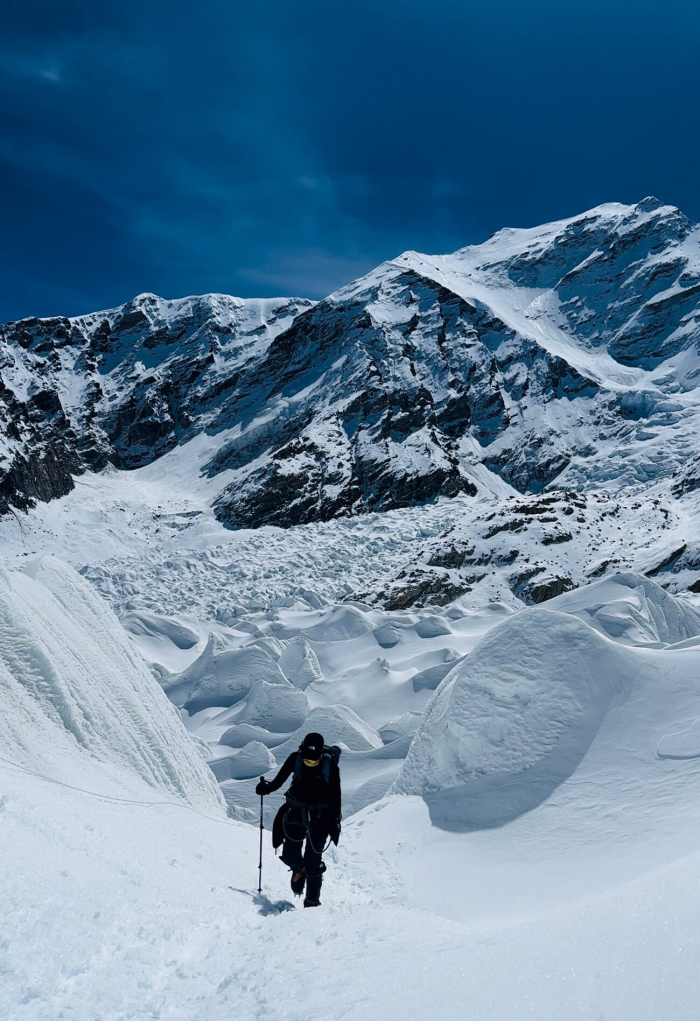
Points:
(513, 677)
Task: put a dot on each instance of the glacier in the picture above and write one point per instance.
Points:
(447, 516)
(123, 900)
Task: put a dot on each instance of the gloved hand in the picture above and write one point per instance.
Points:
(263, 786)
(334, 830)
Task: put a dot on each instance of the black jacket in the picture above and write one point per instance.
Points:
(311, 788)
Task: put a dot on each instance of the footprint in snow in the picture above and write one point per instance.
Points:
(264, 904)
(271, 907)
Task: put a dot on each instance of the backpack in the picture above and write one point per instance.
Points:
(330, 754)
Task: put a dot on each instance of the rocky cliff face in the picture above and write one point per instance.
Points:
(543, 354)
(122, 386)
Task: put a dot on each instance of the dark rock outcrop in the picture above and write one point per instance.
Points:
(541, 589)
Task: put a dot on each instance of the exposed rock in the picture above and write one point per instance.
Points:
(556, 537)
(687, 478)
(452, 555)
(419, 587)
(668, 561)
(601, 567)
(545, 588)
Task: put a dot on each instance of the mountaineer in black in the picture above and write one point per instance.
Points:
(311, 813)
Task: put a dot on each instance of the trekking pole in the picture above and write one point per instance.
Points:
(261, 841)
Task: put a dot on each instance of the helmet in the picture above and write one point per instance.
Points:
(312, 747)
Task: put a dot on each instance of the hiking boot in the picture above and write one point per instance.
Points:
(313, 887)
(311, 903)
(298, 881)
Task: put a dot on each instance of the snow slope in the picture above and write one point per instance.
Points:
(585, 906)
(117, 911)
(75, 698)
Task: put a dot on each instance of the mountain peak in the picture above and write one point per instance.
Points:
(649, 204)
(531, 357)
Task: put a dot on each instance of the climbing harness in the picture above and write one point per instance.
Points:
(306, 812)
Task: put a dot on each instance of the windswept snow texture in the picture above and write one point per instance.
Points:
(75, 697)
(513, 720)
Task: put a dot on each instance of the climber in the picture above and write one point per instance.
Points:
(311, 813)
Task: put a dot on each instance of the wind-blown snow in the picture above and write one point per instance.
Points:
(514, 719)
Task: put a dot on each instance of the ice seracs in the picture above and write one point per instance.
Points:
(632, 609)
(253, 759)
(512, 721)
(299, 663)
(278, 707)
(222, 675)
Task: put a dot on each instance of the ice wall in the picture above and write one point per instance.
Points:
(77, 703)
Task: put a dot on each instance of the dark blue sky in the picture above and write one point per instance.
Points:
(287, 146)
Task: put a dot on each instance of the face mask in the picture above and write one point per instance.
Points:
(311, 762)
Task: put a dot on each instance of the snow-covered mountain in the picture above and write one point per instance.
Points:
(565, 352)
(124, 385)
(445, 442)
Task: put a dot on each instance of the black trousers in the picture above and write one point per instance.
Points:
(305, 838)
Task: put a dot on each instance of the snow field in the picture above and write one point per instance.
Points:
(580, 902)
(124, 913)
